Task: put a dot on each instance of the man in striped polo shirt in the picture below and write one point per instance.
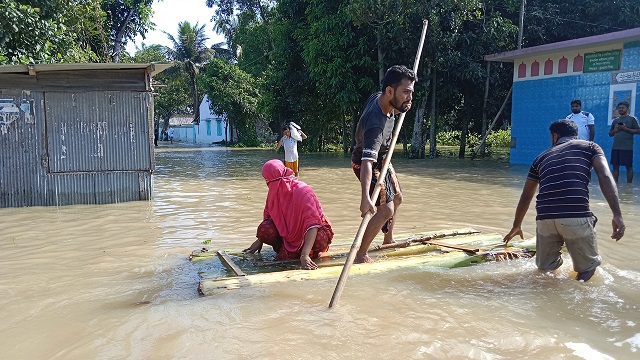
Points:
(562, 206)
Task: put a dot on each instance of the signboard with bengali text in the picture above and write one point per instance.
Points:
(602, 61)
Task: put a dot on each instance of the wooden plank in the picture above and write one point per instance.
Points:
(452, 246)
(226, 260)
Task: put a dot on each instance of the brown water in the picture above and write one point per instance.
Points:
(114, 282)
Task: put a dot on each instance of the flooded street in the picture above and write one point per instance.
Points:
(115, 282)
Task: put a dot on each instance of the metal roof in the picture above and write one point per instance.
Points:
(153, 68)
(586, 42)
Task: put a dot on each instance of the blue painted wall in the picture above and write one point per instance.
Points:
(538, 103)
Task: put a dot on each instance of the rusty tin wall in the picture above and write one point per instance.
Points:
(61, 148)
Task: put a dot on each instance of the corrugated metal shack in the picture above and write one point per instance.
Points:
(76, 133)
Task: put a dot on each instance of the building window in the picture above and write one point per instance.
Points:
(208, 127)
(522, 70)
(219, 127)
(563, 64)
(548, 67)
(535, 68)
(578, 63)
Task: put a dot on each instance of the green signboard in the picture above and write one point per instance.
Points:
(601, 61)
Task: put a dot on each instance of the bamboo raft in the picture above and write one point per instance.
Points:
(447, 248)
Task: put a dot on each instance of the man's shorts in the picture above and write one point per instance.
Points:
(292, 165)
(622, 157)
(390, 185)
(579, 234)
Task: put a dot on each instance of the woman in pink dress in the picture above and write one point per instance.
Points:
(294, 223)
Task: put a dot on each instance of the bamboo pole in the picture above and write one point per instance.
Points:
(385, 166)
(422, 239)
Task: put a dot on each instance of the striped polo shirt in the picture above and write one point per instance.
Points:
(563, 175)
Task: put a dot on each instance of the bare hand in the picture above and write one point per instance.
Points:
(366, 205)
(255, 247)
(514, 231)
(307, 263)
(618, 228)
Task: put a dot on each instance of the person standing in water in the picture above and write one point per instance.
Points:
(290, 145)
(562, 206)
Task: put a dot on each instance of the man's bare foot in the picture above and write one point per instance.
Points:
(362, 259)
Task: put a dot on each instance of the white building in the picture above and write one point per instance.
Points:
(212, 128)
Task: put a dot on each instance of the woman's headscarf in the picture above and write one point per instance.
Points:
(291, 204)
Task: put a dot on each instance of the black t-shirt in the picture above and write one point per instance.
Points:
(373, 134)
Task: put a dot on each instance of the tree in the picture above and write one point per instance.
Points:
(548, 21)
(233, 93)
(339, 60)
(125, 19)
(172, 92)
(316, 61)
(225, 20)
(190, 52)
(39, 31)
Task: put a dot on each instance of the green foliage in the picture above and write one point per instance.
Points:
(124, 20)
(149, 54)
(172, 87)
(234, 93)
(500, 138)
(50, 31)
(495, 139)
(551, 20)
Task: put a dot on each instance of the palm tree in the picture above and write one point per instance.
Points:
(190, 52)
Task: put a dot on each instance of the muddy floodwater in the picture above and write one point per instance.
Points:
(115, 282)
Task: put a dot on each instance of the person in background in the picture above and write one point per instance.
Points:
(373, 138)
(622, 129)
(155, 135)
(563, 215)
(290, 149)
(294, 223)
(584, 120)
(170, 134)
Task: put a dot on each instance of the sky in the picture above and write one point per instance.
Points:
(167, 15)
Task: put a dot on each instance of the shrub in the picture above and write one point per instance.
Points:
(500, 138)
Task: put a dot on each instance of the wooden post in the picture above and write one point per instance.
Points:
(432, 130)
(484, 111)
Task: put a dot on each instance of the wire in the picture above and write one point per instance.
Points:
(540, 14)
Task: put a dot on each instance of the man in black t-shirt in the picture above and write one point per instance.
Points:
(373, 137)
